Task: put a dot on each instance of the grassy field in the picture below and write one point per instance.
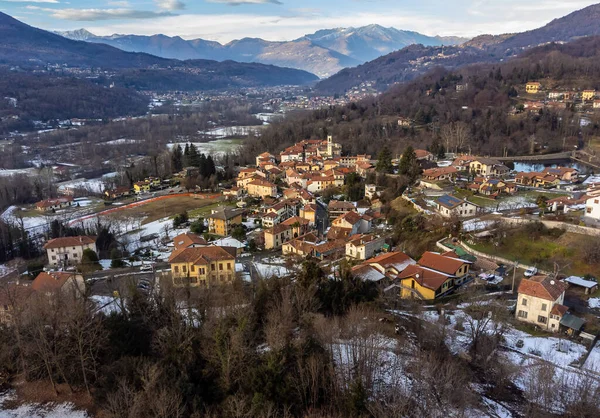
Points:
(544, 252)
(520, 199)
(160, 209)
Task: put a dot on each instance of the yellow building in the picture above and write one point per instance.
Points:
(261, 188)
(587, 95)
(141, 187)
(202, 266)
(275, 237)
(533, 87)
(222, 220)
(435, 275)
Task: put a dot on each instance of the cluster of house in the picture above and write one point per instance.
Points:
(435, 274)
(559, 98)
(490, 178)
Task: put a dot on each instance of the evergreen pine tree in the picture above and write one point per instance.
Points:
(177, 158)
(384, 161)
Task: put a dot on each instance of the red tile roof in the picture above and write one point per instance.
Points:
(51, 280)
(69, 242)
(542, 287)
(439, 262)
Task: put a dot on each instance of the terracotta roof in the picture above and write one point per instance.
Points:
(444, 264)
(51, 280)
(52, 202)
(396, 260)
(559, 310)
(542, 287)
(350, 217)
(277, 229)
(421, 153)
(340, 205)
(188, 239)
(262, 183)
(294, 219)
(428, 278)
(337, 232)
(69, 242)
(202, 255)
(439, 171)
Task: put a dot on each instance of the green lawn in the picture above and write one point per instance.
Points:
(543, 252)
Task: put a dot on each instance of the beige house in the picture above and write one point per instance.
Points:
(203, 266)
(362, 247)
(540, 302)
(449, 206)
(278, 235)
(487, 167)
(261, 188)
(68, 251)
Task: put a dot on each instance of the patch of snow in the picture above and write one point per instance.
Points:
(267, 270)
(106, 304)
(594, 303)
(30, 410)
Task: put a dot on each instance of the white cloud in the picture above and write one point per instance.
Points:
(450, 18)
(170, 4)
(93, 15)
(239, 2)
(29, 1)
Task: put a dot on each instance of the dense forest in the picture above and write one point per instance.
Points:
(44, 97)
(483, 118)
(310, 347)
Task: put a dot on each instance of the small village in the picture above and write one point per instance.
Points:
(312, 202)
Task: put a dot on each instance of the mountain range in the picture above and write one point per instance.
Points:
(28, 47)
(323, 53)
(410, 62)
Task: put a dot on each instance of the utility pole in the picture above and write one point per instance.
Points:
(512, 288)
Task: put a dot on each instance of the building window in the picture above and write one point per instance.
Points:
(522, 314)
(220, 266)
(54, 257)
(176, 269)
(228, 266)
(192, 268)
(524, 302)
(75, 255)
(542, 319)
(201, 270)
(588, 210)
(544, 307)
(184, 269)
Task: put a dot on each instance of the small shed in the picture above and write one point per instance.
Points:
(590, 286)
(572, 323)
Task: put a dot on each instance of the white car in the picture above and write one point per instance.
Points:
(531, 271)
(147, 267)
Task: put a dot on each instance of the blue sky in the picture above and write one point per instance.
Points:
(224, 20)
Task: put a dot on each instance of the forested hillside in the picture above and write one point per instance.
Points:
(485, 112)
(44, 97)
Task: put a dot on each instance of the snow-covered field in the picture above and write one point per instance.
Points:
(268, 270)
(476, 225)
(214, 148)
(51, 410)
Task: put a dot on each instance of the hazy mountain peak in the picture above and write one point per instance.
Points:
(77, 35)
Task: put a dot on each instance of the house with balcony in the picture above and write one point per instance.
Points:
(203, 266)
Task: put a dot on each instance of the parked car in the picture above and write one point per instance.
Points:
(531, 271)
(146, 267)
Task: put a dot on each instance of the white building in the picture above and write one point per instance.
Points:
(68, 250)
(540, 302)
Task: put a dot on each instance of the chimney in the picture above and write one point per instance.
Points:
(81, 240)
